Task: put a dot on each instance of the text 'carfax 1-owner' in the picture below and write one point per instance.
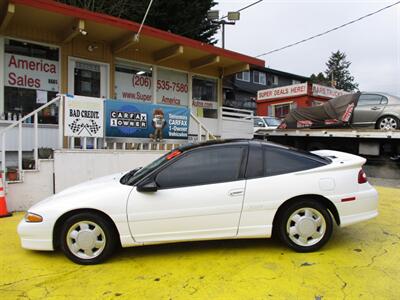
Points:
(147, 121)
(83, 117)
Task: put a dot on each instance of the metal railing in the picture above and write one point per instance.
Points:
(34, 114)
(235, 113)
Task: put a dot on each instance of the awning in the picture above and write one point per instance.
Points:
(62, 23)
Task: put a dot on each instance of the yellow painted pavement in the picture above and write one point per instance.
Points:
(360, 262)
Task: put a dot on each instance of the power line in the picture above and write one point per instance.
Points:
(328, 31)
(243, 8)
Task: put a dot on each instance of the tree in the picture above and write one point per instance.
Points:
(320, 79)
(338, 72)
(183, 17)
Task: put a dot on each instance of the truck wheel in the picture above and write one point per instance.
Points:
(305, 226)
(388, 123)
(87, 239)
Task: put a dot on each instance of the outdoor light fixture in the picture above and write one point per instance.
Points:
(83, 32)
(213, 16)
(233, 16)
(140, 73)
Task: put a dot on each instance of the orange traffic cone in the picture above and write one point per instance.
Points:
(3, 205)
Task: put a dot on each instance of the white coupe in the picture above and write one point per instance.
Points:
(213, 190)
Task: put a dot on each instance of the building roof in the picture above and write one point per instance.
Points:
(60, 20)
(281, 73)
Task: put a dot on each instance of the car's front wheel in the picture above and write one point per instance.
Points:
(87, 238)
(305, 226)
(388, 123)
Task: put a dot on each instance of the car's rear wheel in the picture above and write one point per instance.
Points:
(305, 226)
(86, 238)
(388, 123)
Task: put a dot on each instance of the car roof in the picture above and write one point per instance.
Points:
(227, 142)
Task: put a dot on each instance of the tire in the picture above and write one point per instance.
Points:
(388, 123)
(87, 238)
(299, 229)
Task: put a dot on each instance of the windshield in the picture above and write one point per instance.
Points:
(272, 121)
(133, 176)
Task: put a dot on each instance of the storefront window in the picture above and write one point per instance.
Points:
(205, 98)
(282, 110)
(172, 87)
(133, 82)
(31, 80)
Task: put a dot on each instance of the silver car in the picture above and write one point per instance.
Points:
(379, 110)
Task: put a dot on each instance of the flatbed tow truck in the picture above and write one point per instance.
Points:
(371, 142)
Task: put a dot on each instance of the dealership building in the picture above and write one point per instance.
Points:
(47, 48)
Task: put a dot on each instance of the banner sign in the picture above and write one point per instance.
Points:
(283, 91)
(31, 72)
(83, 117)
(328, 92)
(172, 87)
(134, 87)
(205, 104)
(139, 120)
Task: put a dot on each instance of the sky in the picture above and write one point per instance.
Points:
(372, 45)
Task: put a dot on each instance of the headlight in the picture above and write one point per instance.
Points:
(33, 218)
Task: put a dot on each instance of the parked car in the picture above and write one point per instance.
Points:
(378, 110)
(212, 190)
(269, 123)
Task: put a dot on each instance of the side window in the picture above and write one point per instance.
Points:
(258, 122)
(370, 99)
(281, 161)
(205, 166)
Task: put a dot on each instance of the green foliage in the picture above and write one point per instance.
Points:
(320, 79)
(338, 72)
(183, 17)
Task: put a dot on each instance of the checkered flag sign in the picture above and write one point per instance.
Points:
(77, 126)
(74, 126)
(93, 127)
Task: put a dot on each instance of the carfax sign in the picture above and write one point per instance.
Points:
(138, 120)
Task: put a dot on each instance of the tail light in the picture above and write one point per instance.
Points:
(362, 177)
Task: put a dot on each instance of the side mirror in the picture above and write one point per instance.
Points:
(147, 186)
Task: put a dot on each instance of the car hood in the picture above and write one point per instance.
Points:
(86, 194)
(91, 184)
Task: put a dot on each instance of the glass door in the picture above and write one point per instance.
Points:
(87, 78)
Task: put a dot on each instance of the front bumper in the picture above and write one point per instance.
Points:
(36, 236)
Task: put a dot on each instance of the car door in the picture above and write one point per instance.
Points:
(369, 108)
(199, 196)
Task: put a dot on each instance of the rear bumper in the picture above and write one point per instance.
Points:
(36, 236)
(364, 207)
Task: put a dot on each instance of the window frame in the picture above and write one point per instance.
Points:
(305, 155)
(242, 170)
(2, 66)
(384, 100)
(260, 74)
(243, 77)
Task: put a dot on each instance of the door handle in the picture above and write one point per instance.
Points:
(236, 193)
(375, 108)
